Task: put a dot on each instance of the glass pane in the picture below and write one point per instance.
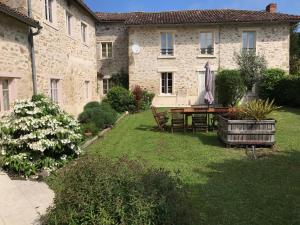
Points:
(163, 41)
(202, 40)
(170, 83)
(251, 39)
(104, 50)
(109, 50)
(170, 42)
(163, 83)
(245, 40)
(50, 4)
(209, 41)
(83, 33)
(5, 90)
(105, 86)
(46, 9)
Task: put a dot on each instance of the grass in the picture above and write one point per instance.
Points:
(226, 187)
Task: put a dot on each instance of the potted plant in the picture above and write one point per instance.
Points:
(248, 125)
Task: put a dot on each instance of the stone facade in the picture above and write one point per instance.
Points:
(59, 55)
(64, 57)
(15, 61)
(117, 34)
(187, 65)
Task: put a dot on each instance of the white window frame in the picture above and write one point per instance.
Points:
(84, 36)
(172, 32)
(47, 11)
(213, 42)
(167, 89)
(108, 85)
(112, 49)
(255, 40)
(10, 94)
(69, 23)
(52, 94)
(87, 90)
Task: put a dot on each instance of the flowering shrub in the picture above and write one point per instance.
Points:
(38, 135)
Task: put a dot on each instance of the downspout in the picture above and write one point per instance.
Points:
(31, 46)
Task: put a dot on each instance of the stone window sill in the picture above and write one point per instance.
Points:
(52, 25)
(166, 95)
(71, 37)
(206, 56)
(166, 57)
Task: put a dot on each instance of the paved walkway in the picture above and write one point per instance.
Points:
(22, 202)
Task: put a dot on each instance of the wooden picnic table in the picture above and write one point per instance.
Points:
(188, 111)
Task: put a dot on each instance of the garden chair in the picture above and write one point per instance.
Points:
(199, 121)
(177, 122)
(161, 118)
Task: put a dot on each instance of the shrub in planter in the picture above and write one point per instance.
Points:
(38, 135)
(268, 83)
(89, 128)
(97, 190)
(121, 99)
(230, 87)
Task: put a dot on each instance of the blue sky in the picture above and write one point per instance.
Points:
(286, 6)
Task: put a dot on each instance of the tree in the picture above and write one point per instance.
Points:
(252, 67)
(295, 50)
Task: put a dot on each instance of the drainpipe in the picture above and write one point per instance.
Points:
(31, 46)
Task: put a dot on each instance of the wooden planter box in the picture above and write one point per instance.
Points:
(246, 132)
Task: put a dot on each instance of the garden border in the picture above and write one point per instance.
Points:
(90, 141)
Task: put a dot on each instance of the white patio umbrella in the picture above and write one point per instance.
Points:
(209, 98)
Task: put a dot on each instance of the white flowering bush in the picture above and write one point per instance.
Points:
(37, 136)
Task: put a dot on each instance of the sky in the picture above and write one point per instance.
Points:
(285, 6)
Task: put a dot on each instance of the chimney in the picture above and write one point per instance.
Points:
(271, 8)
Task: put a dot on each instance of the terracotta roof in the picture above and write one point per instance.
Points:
(18, 15)
(196, 17)
(113, 17)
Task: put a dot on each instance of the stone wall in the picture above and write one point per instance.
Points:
(188, 66)
(64, 57)
(117, 34)
(14, 58)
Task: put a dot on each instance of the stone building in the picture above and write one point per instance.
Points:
(167, 51)
(64, 50)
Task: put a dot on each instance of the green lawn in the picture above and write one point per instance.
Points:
(226, 187)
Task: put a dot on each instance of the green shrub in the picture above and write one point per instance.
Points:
(230, 87)
(38, 135)
(121, 99)
(147, 98)
(92, 105)
(287, 91)
(102, 115)
(97, 190)
(89, 128)
(267, 84)
(120, 79)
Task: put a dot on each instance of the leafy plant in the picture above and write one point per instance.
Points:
(252, 67)
(92, 105)
(89, 128)
(287, 91)
(120, 79)
(121, 99)
(230, 87)
(35, 130)
(268, 83)
(147, 98)
(256, 109)
(98, 190)
(138, 97)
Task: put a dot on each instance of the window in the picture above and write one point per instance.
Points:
(69, 23)
(206, 43)
(54, 90)
(49, 10)
(87, 89)
(167, 44)
(5, 95)
(167, 83)
(106, 50)
(83, 32)
(249, 40)
(107, 84)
